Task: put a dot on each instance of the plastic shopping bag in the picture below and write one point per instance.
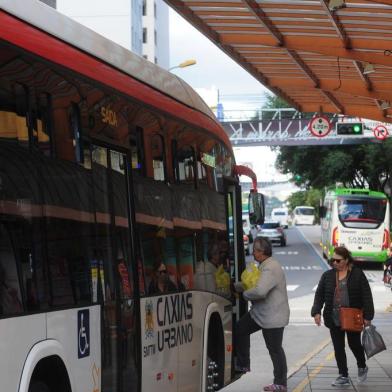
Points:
(250, 276)
(222, 280)
(372, 341)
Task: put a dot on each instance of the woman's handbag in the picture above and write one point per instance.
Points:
(372, 341)
(351, 319)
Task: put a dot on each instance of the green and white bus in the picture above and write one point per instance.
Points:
(358, 219)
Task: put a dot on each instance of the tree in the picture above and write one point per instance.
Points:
(356, 166)
(309, 197)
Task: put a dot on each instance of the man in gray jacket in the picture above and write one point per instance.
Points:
(270, 312)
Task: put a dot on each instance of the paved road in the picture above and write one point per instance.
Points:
(303, 264)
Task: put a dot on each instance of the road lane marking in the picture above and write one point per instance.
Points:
(302, 267)
(285, 252)
(323, 262)
(292, 287)
(304, 383)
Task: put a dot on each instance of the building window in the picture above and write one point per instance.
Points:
(144, 7)
(155, 60)
(144, 35)
(155, 37)
(155, 9)
(145, 56)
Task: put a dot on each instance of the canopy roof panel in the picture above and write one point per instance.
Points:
(319, 55)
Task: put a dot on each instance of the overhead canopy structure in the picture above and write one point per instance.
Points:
(319, 55)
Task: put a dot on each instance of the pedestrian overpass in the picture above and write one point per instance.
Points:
(277, 127)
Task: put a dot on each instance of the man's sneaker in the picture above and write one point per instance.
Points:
(341, 381)
(362, 374)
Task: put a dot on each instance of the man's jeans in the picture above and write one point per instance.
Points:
(273, 340)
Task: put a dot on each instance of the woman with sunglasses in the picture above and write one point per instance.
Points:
(353, 291)
(161, 282)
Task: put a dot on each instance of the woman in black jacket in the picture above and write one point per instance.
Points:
(354, 292)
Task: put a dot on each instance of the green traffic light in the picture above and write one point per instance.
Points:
(357, 128)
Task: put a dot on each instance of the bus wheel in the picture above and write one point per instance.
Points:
(38, 386)
(211, 376)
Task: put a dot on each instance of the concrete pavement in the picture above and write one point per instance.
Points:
(309, 351)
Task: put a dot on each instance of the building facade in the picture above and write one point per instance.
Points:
(156, 32)
(119, 20)
(139, 25)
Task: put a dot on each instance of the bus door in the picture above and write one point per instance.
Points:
(112, 270)
(236, 242)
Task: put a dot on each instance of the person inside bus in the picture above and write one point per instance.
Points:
(354, 291)
(204, 277)
(211, 275)
(270, 313)
(161, 282)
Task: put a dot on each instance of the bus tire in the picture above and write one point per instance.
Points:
(38, 386)
(215, 355)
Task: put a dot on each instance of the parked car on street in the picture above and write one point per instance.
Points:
(274, 232)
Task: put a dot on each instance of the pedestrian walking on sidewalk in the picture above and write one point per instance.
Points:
(269, 312)
(354, 292)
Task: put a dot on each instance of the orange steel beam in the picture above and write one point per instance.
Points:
(363, 77)
(213, 36)
(334, 101)
(336, 24)
(321, 45)
(308, 72)
(257, 11)
(384, 111)
(368, 84)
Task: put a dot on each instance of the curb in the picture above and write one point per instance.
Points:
(299, 364)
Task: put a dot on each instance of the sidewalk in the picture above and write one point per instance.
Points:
(320, 371)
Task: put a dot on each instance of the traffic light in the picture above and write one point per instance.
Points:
(349, 128)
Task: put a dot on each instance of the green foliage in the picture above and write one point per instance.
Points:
(356, 166)
(275, 102)
(296, 199)
(310, 197)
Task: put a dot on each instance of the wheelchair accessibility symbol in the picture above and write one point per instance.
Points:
(83, 333)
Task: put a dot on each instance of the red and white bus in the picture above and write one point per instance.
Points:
(109, 165)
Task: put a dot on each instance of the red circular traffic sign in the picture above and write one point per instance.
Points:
(381, 132)
(320, 126)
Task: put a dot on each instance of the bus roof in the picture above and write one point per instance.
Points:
(71, 32)
(355, 192)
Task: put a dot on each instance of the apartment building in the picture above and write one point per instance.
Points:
(156, 32)
(139, 25)
(117, 20)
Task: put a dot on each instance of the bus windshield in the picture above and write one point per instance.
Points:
(361, 212)
(304, 211)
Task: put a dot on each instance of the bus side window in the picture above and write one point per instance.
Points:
(10, 295)
(186, 261)
(137, 152)
(185, 170)
(158, 157)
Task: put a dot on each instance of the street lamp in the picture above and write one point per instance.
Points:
(184, 64)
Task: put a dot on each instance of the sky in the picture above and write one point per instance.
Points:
(214, 69)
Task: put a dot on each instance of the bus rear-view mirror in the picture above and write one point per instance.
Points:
(256, 208)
